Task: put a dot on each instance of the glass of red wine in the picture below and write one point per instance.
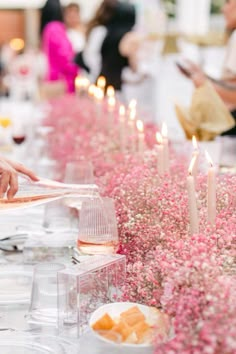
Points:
(19, 137)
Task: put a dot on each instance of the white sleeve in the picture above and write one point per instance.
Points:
(92, 50)
(230, 59)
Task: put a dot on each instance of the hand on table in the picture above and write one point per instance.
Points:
(9, 176)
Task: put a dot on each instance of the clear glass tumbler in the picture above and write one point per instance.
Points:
(78, 172)
(44, 296)
(57, 216)
(98, 233)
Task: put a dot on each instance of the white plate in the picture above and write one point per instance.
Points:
(114, 310)
(23, 348)
(20, 343)
(15, 284)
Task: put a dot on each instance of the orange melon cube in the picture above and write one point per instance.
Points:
(132, 338)
(140, 328)
(123, 329)
(132, 316)
(104, 323)
(111, 335)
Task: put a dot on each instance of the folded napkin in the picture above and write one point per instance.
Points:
(207, 116)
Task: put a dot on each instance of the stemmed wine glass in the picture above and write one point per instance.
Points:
(19, 137)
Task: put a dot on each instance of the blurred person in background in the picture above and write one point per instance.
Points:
(196, 74)
(74, 25)
(22, 72)
(56, 46)
(8, 176)
(101, 56)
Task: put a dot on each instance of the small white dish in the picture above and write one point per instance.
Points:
(114, 310)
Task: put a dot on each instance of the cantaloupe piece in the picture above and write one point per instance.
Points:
(148, 336)
(140, 328)
(132, 316)
(104, 323)
(132, 338)
(123, 329)
(110, 335)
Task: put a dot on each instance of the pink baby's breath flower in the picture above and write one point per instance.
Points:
(191, 277)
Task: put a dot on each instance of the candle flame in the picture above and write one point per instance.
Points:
(111, 101)
(86, 82)
(164, 131)
(208, 157)
(122, 110)
(192, 163)
(99, 94)
(159, 138)
(110, 91)
(132, 104)
(81, 82)
(101, 82)
(91, 90)
(139, 125)
(78, 81)
(132, 114)
(194, 142)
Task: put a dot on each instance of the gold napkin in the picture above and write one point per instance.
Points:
(207, 116)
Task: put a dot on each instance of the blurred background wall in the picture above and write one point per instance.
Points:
(12, 24)
(20, 18)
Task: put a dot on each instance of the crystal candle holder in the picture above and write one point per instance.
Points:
(93, 282)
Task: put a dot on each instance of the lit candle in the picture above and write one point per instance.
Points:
(101, 83)
(86, 84)
(132, 105)
(110, 91)
(91, 91)
(99, 96)
(78, 83)
(211, 191)
(81, 85)
(195, 154)
(122, 128)
(164, 134)
(160, 154)
(141, 137)
(111, 107)
(192, 200)
(131, 123)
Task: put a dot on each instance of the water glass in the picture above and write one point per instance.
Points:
(79, 172)
(98, 233)
(44, 295)
(57, 216)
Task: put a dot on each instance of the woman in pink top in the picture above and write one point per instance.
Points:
(56, 45)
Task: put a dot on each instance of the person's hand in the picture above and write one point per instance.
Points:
(192, 67)
(198, 78)
(189, 68)
(8, 177)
